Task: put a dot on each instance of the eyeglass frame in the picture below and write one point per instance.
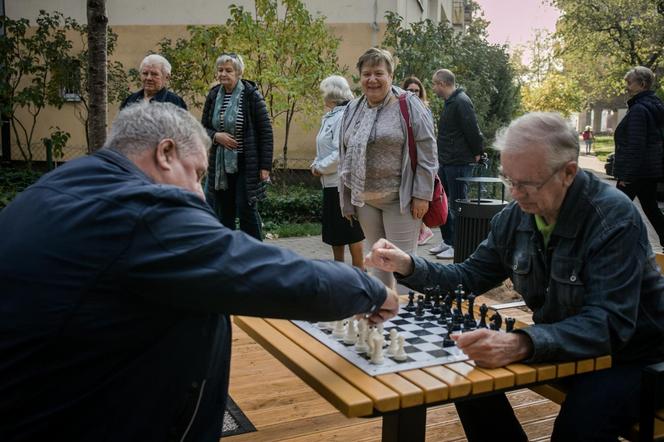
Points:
(526, 186)
(414, 91)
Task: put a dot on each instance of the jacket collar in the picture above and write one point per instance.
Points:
(638, 97)
(454, 94)
(568, 222)
(117, 158)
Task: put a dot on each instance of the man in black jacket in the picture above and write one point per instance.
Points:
(117, 280)
(460, 145)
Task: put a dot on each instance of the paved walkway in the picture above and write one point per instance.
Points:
(313, 246)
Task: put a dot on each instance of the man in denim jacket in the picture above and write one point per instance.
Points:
(577, 251)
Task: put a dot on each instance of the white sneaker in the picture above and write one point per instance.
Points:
(439, 248)
(446, 254)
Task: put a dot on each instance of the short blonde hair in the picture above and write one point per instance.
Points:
(374, 57)
(335, 88)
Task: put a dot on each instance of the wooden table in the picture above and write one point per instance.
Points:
(400, 398)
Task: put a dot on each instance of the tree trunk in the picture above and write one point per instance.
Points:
(97, 75)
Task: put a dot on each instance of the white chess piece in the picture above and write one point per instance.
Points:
(400, 354)
(377, 353)
(394, 344)
(361, 344)
(339, 330)
(351, 333)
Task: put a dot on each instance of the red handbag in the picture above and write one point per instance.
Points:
(438, 209)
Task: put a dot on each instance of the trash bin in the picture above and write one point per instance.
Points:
(474, 216)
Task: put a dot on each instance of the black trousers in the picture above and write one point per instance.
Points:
(646, 192)
(599, 406)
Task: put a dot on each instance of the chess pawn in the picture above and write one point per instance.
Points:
(361, 345)
(377, 352)
(351, 333)
(400, 354)
(411, 301)
(394, 344)
(509, 324)
(339, 330)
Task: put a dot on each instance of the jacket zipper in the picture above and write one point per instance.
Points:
(193, 416)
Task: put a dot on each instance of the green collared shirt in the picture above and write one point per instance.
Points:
(545, 229)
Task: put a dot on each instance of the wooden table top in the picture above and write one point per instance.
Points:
(356, 394)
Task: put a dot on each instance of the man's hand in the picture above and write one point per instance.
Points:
(491, 349)
(226, 140)
(388, 310)
(387, 257)
(418, 207)
(315, 172)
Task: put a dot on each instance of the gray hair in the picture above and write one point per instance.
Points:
(547, 129)
(235, 59)
(141, 126)
(335, 88)
(641, 74)
(156, 60)
(444, 76)
(374, 57)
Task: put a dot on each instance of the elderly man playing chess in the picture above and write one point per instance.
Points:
(577, 250)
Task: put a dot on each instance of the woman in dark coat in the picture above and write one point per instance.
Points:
(237, 121)
(639, 146)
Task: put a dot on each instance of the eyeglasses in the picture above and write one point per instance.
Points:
(525, 186)
(413, 90)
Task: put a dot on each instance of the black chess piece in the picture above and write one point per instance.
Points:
(496, 321)
(411, 301)
(483, 312)
(447, 341)
(471, 306)
(447, 306)
(419, 310)
(442, 318)
(459, 297)
(427, 301)
(509, 324)
(468, 322)
(435, 308)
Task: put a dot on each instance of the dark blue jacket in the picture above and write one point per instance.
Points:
(163, 96)
(638, 139)
(459, 136)
(114, 301)
(595, 290)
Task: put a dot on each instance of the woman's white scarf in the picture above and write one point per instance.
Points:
(354, 168)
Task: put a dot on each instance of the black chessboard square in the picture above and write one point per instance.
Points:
(414, 341)
(420, 332)
(430, 325)
(437, 353)
(412, 349)
(405, 315)
(399, 321)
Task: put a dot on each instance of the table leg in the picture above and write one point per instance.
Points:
(407, 425)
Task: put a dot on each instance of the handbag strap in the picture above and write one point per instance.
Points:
(412, 152)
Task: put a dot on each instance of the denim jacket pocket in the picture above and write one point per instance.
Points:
(567, 289)
(521, 268)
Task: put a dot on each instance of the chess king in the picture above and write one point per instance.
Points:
(577, 251)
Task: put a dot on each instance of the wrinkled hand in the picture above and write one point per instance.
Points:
(388, 310)
(265, 175)
(225, 139)
(418, 207)
(387, 257)
(491, 349)
(315, 172)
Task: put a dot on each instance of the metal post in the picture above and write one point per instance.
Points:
(49, 153)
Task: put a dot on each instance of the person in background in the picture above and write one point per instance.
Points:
(155, 71)
(588, 138)
(337, 230)
(238, 123)
(460, 145)
(639, 139)
(114, 314)
(414, 85)
(377, 183)
(563, 243)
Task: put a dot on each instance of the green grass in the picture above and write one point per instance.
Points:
(602, 146)
(288, 230)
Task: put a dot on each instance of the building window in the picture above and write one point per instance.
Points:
(69, 74)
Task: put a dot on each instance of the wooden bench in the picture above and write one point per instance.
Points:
(651, 420)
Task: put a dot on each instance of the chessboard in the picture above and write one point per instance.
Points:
(419, 336)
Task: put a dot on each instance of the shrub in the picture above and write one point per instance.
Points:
(292, 205)
(13, 181)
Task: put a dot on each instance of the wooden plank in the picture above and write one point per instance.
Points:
(545, 372)
(346, 398)
(384, 398)
(458, 385)
(524, 374)
(551, 392)
(502, 378)
(603, 362)
(480, 382)
(565, 369)
(585, 366)
(434, 389)
(410, 394)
